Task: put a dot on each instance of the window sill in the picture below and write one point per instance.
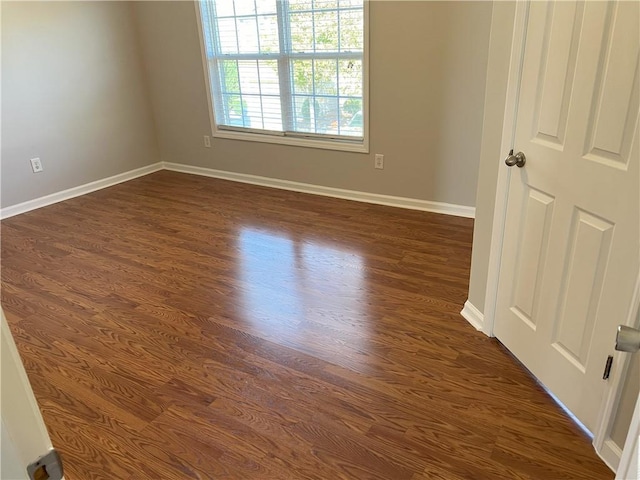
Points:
(357, 147)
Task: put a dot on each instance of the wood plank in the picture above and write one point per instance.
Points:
(176, 326)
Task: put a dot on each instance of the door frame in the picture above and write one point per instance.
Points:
(631, 448)
(602, 442)
(22, 422)
(604, 446)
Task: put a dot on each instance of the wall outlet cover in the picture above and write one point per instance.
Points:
(36, 165)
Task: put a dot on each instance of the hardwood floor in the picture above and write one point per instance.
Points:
(185, 327)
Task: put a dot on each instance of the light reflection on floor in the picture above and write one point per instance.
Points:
(304, 294)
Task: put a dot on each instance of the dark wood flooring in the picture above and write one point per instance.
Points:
(177, 326)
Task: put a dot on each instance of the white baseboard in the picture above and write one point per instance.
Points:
(472, 315)
(77, 191)
(402, 202)
(610, 454)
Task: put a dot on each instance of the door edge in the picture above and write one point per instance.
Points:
(502, 187)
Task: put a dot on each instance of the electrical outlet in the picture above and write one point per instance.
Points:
(36, 165)
(207, 141)
(379, 162)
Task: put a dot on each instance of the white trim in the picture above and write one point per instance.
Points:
(20, 412)
(472, 315)
(77, 191)
(631, 448)
(375, 198)
(365, 81)
(611, 400)
(343, 146)
(205, 69)
(502, 187)
(357, 147)
(610, 454)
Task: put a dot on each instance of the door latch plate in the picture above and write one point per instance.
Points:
(607, 368)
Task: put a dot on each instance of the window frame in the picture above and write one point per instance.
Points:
(299, 139)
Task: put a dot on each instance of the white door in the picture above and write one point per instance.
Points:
(570, 252)
(630, 462)
(24, 435)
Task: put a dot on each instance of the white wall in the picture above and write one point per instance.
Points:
(73, 94)
(427, 78)
(491, 158)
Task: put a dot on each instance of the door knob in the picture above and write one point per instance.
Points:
(518, 159)
(627, 339)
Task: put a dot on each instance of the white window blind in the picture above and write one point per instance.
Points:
(286, 67)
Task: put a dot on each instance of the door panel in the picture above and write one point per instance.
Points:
(590, 241)
(570, 253)
(613, 117)
(558, 62)
(532, 246)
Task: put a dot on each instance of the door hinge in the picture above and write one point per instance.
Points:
(47, 467)
(607, 368)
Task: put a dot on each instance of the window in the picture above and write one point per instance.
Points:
(288, 70)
